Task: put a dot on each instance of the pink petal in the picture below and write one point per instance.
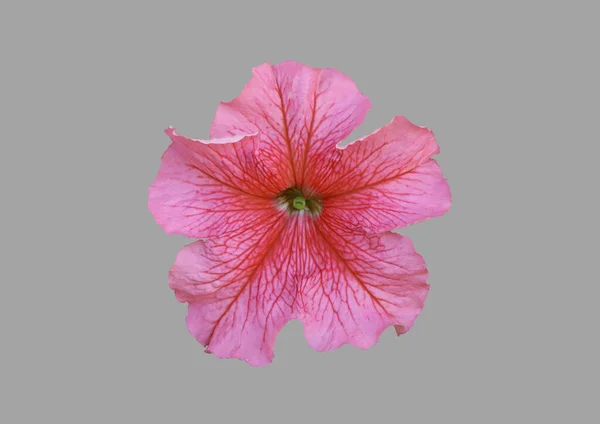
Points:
(363, 284)
(385, 180)
(345, 286)
(241, 291)
(302, 111)
(214, 188)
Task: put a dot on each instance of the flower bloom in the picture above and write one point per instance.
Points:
(293, 226)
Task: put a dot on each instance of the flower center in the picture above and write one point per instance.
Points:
(299, 203)
(296, 200)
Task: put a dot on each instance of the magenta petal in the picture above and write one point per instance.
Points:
(302, 112)
(345, 286)
(385, 180)
(363, 284)
(241, 291)
(214, 188)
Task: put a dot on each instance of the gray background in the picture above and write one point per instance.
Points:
(91, 332)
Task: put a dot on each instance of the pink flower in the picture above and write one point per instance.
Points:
(291, 226)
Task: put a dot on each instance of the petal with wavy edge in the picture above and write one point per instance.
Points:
(302, 112)
(361, 285)
(215, 188)
(242, 291)
(385, 180)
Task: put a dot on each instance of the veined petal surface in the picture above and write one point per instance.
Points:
(383, 181)
(216, 188)
(301, 111)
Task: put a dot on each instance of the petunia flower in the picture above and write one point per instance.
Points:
(291, 224)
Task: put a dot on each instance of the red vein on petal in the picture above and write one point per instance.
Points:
(286, 130)
(248, 280)
(350, 170)
(347, 266)
(283, 286)
(310, 133)
(367, 186)
(212, 177)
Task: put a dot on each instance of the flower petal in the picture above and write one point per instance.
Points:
(202, 186)
(385, 180)
(364, 283)
(242, 291)
(302, 111)
(345, 286)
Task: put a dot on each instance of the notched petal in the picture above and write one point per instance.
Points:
(242, 291)
(301, 111)
(202, 186)
(364, 284)
(386, 180)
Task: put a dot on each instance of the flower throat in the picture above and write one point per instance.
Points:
(295, 200)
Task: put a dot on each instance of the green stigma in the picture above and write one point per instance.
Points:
(299, 203)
